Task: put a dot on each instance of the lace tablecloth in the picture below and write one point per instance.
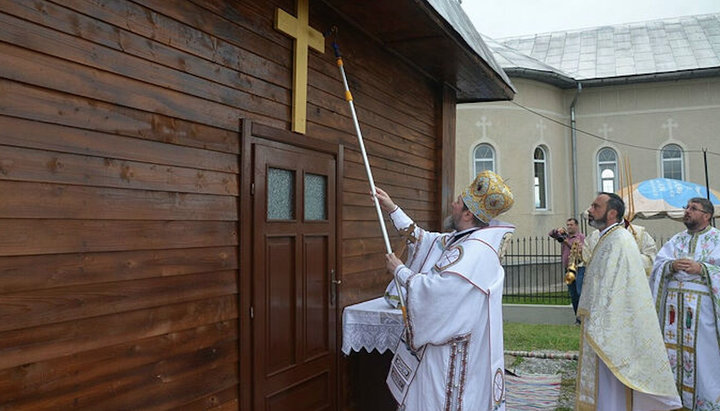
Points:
(372, 325)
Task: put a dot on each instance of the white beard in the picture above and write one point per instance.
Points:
(449, 224)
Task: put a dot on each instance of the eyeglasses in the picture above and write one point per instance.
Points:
(692, 208)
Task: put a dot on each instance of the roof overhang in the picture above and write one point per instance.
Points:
(567, 82)
(437, 38)
(550, 77)
(652, 77)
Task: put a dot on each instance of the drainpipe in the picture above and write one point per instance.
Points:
(573, 148)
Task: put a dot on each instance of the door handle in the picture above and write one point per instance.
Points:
(333, 286)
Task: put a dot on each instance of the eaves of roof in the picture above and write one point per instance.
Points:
(437, 38)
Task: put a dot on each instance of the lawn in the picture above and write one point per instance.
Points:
(537, 337)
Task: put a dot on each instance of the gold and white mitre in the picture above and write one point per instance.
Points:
(488, 196)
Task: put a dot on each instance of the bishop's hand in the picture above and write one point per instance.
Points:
(385, 201)
(392, 263)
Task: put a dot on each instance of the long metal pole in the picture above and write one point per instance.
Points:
(573, 148)
(349, 99)
(707, 182)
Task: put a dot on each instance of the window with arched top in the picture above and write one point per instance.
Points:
(607, 177)
(540, 173)
(672, 162)
(607, 170)
(483, 158)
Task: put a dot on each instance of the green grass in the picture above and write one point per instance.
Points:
(557, 298)
(535, 337)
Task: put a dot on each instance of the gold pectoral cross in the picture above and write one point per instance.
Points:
(305, 36)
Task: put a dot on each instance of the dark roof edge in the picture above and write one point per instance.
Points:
(561, 81)
(550, 77)
(501, 87)
(647, 78)
(470, 41)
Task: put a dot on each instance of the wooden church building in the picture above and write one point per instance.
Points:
(184, 210)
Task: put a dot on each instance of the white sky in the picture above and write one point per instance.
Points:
(505, 18)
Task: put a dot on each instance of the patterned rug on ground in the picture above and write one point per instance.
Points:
(532, 392)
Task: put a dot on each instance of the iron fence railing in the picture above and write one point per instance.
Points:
(534, 272)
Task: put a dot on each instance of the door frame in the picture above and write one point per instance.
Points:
(255, 133)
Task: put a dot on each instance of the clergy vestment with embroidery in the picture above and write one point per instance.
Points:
(647, 246)
(689, 310)
(454, 304)
(644, 241)
(622, 364)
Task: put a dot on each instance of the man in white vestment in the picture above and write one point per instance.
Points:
(623, 364)
(453, 282)
(686, 286)
(646, 245)
(643, 239)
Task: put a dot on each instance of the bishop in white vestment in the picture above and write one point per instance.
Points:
(623, 364)
(453, 283)
(686, 285)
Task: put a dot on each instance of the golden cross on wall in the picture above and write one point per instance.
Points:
(305, 36)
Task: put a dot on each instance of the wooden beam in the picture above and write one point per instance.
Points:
(446, 151)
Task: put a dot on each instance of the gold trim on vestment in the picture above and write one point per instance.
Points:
(619, 324)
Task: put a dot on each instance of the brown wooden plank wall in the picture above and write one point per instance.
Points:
(119, 187)
(397, 111)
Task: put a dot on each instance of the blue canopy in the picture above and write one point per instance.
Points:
(665, 197)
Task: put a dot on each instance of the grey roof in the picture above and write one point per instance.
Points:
(435, 37)
(517, 64)
(677, 47)
(454, 14)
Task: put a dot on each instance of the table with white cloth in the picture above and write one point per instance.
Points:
(370, 332)
(372, 325)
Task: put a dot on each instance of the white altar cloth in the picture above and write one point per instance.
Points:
(372, 325)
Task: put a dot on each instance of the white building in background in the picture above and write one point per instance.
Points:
(647, 92)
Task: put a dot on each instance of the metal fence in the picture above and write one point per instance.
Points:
(534, 272)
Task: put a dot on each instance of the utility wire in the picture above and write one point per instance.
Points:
(600, 137)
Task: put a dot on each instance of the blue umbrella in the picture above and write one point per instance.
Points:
(665, 197)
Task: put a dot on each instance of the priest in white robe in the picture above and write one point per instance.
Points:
(643, 239)
(686, 285)
(453, 283)
(623, 364)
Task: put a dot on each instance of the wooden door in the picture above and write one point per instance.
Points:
(293, 256)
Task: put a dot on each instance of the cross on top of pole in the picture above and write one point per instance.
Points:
(305, 36)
